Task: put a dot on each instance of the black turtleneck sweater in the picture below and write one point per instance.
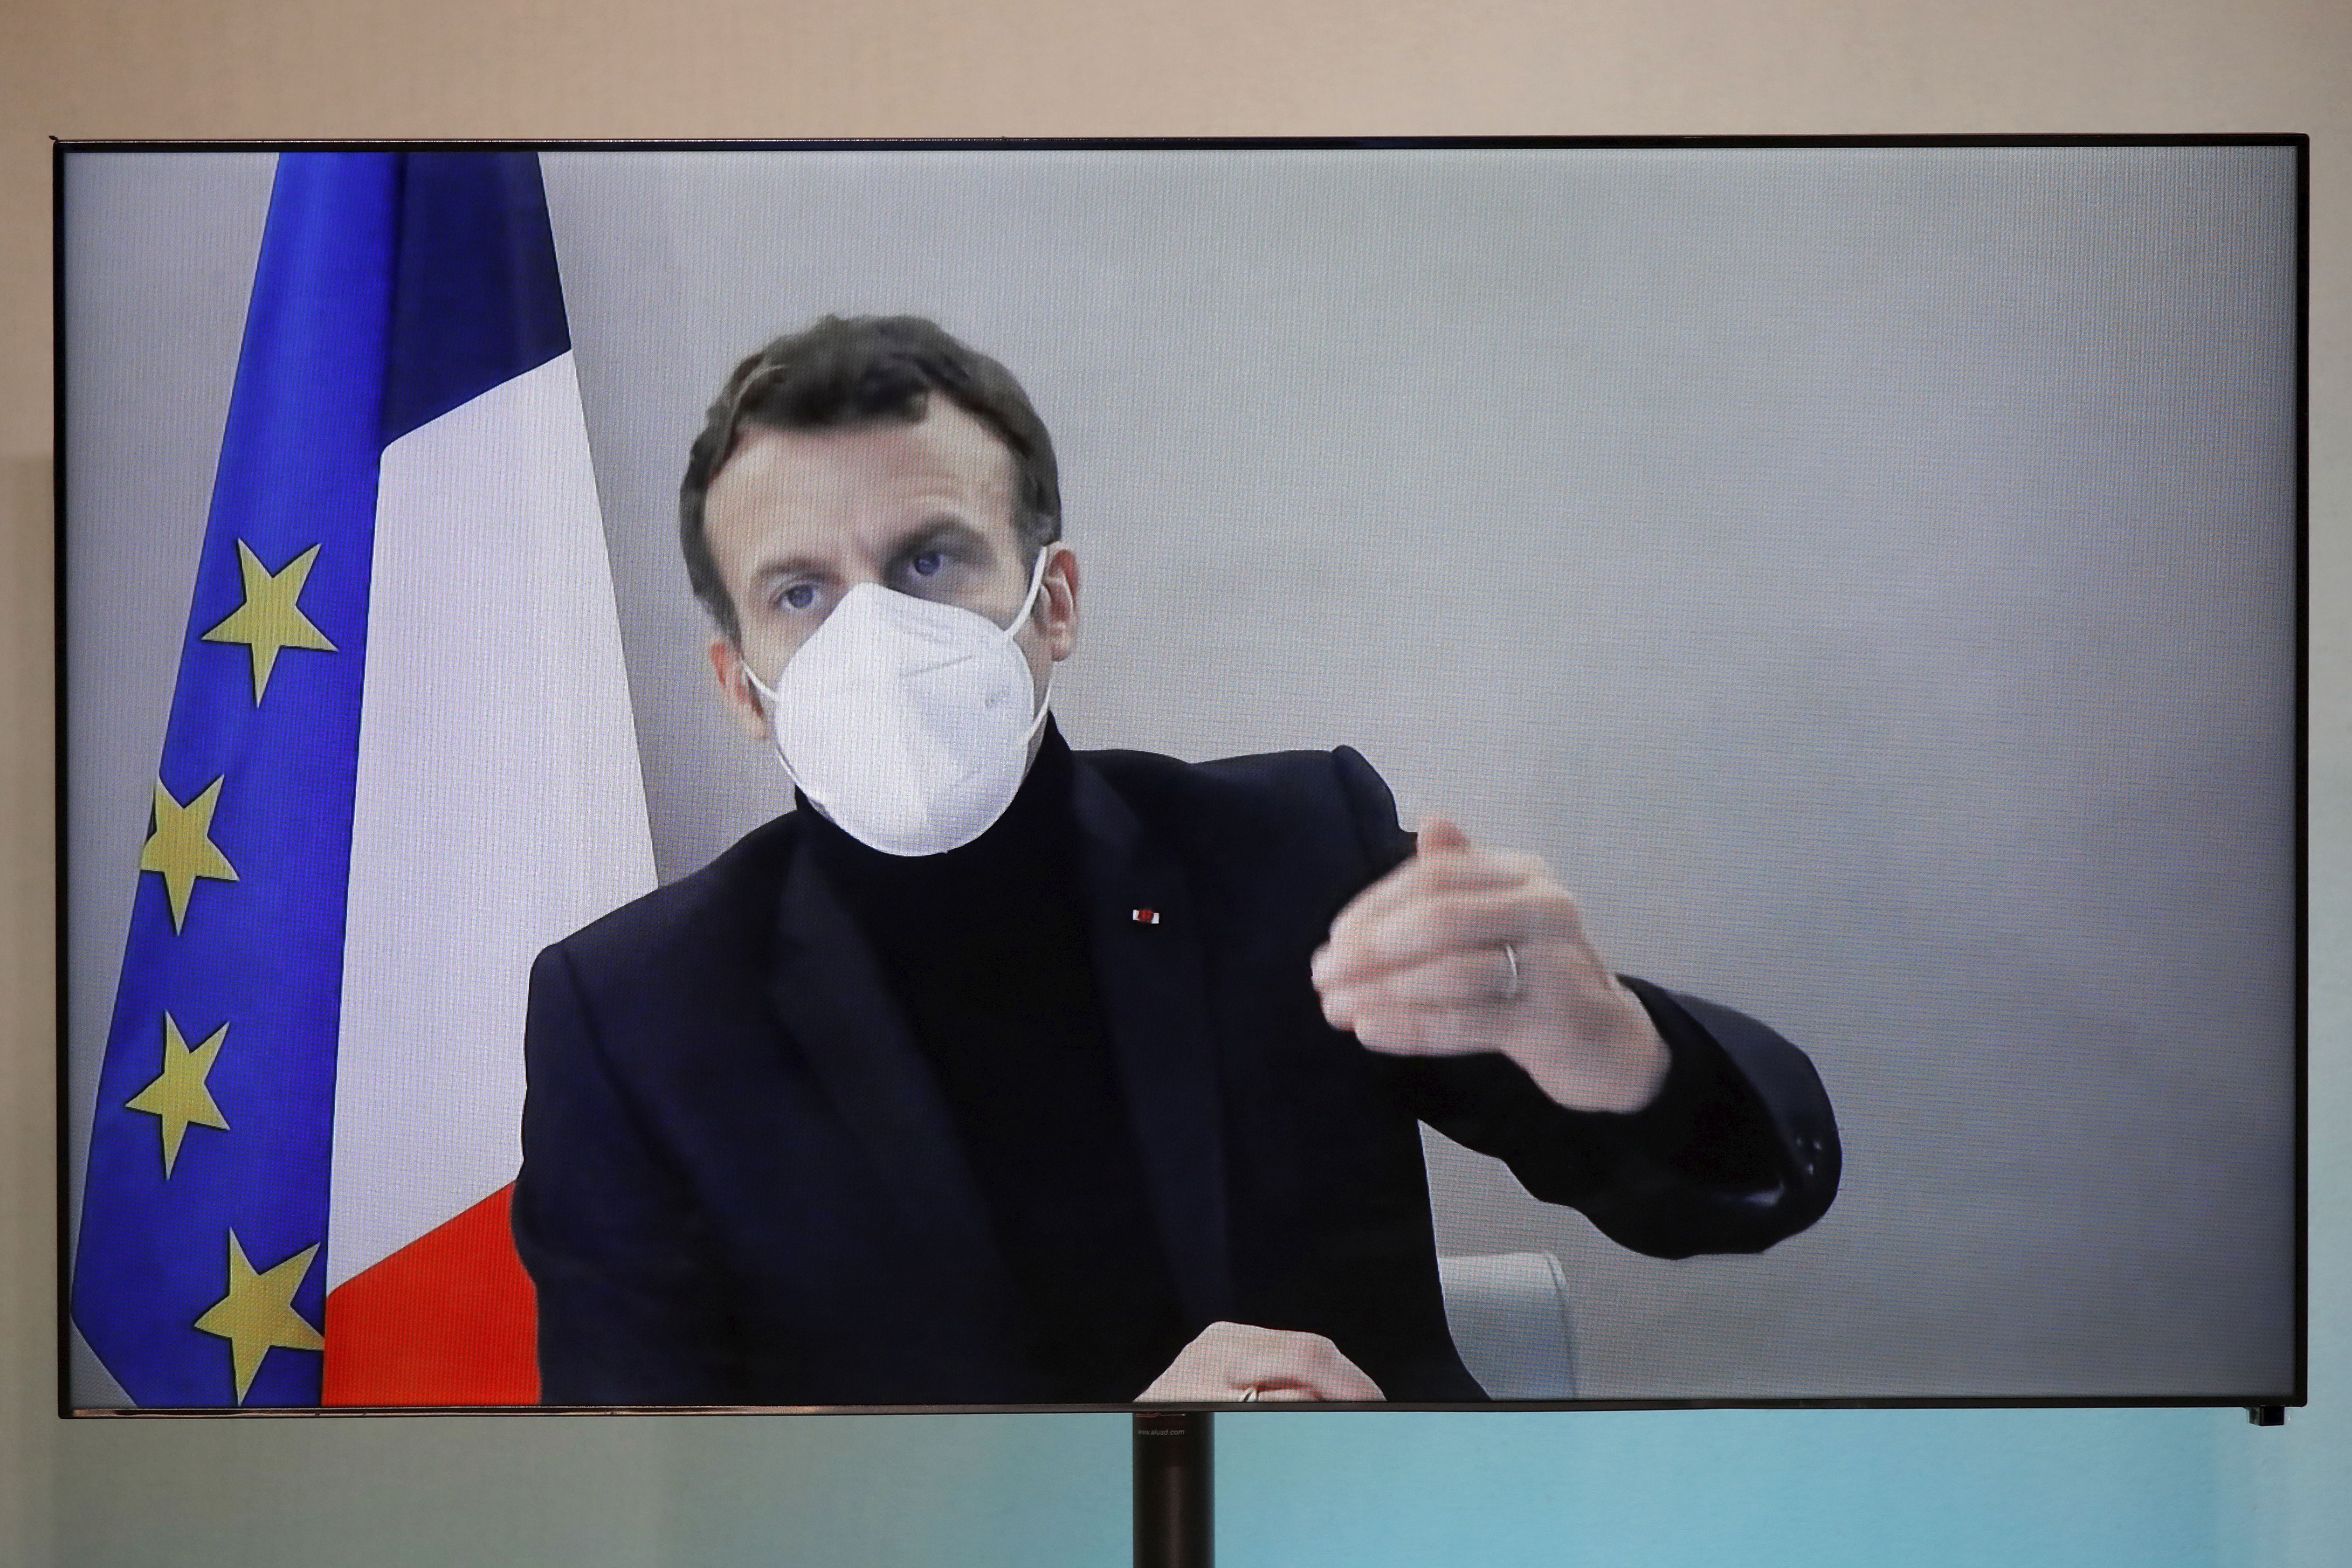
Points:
(985, 948)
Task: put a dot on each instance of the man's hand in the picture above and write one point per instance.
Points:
(1236, 1361)
(1460, 951)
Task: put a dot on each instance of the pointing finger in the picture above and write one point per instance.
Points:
(1484, 976)
(1424, 877)
(1440, 836)
(1427, 1031)
(1431, 927)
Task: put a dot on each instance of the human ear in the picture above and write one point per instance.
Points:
(750, 714)
(1057, 602)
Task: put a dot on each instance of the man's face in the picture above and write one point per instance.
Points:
(798, 518)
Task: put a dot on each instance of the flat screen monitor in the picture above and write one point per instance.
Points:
(1038, 776)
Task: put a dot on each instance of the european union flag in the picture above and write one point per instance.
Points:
(200, 1274)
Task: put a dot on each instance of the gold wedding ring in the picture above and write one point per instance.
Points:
(1511, 956)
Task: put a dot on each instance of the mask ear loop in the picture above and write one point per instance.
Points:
(1045, 554)
(1029, 601)
(768, 695)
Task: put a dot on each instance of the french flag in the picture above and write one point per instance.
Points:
(399, 761)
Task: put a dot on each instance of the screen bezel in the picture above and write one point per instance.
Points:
(2296, 1395)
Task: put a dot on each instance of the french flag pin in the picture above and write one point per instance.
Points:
(1144, 917)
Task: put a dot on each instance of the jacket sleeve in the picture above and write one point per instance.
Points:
(615, 1251)
(1739, 1149)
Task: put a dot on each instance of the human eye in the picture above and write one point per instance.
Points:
(938, 569)
(797, 596)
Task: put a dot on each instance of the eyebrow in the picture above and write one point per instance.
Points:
(936, 531)
(791, 566)
(931, 533)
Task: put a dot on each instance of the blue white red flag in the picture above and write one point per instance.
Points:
(400, 759)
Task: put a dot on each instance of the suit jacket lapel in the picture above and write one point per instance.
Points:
(1154, 992)
(827, 987)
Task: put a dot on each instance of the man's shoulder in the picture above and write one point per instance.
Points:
(1267, 781)
(1263, 769)
(1267, 809)
(1256, 801)
(703, 916)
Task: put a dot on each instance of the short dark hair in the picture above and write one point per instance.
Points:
(844, 371)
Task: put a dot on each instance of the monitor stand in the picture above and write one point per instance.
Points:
(1175, 1485)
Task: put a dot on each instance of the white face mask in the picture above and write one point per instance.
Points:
(906, 722)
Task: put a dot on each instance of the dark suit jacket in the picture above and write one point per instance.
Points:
(740, 1184)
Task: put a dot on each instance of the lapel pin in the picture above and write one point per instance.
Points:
(1144, 917)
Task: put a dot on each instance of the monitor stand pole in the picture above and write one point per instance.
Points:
(1175, 1484)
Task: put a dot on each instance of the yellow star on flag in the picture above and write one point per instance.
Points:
(258, 1314)
(181, 849)
(270, 621)
(180, 1097)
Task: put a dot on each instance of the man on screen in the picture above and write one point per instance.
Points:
(1006, 1074)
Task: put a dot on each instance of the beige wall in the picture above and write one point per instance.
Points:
(768, 67)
